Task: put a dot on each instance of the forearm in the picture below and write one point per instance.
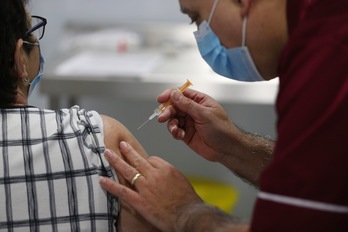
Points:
(201, 218)
(248, 155)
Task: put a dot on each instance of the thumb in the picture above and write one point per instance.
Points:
(185, 104)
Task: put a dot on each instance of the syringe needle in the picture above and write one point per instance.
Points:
(143, 124)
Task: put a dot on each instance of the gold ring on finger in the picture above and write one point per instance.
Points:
(135, 178)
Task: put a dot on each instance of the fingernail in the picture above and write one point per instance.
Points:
(102, 180)
(176, 95)
(123, 145)
(108, 153)
(181, 134)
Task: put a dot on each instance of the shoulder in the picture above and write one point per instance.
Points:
(115, 132)
(113, 128)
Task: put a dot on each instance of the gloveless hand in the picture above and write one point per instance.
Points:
(160, 194)
(200, 122)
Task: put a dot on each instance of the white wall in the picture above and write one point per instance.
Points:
(255, 118)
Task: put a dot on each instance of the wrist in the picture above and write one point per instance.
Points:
(248, 155)
(202, 217)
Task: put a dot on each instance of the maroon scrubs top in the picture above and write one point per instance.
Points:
(305, 188)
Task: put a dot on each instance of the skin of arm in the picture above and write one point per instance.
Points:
(114, 133)
(202, 124)
(205, 218)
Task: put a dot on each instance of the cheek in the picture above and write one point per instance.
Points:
(34, 66)
(229, 37)
(231, 40)
(228, 29)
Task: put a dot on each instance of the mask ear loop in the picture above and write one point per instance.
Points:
(245, 19)
(212, 11)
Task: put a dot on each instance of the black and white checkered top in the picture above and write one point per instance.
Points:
(50, 164)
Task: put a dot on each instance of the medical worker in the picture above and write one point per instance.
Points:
(303, 179)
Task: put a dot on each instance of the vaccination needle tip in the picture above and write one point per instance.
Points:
(161, 107)
(143, 124)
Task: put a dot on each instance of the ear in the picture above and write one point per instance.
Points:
(20, 60)
(245, 7)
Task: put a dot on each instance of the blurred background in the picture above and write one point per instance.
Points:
(156, 43)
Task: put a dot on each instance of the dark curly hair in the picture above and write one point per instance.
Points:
(14, 22)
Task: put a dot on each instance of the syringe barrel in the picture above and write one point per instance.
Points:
(161, 107)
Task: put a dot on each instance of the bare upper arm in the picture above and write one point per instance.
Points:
(114, 133)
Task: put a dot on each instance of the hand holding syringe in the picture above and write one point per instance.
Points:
(161, 107)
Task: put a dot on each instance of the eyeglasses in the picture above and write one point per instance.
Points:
(38, 27)
(32, 44)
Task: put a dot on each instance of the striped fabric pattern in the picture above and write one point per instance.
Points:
(50, 164)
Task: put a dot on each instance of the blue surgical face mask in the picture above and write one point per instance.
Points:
(37, 79)
(235, 63)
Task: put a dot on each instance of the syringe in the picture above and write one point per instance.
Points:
(161, 107)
